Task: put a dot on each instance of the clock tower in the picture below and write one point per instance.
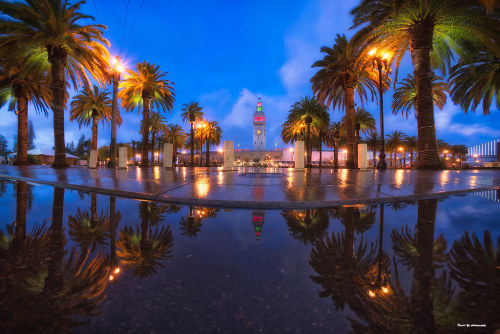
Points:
(259, 128)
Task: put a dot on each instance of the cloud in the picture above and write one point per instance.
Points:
(242, 110)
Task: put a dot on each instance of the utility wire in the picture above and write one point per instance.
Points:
(133, 24)
(97, 13)
(123, 31)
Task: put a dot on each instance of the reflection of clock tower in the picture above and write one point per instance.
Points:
(259, 128)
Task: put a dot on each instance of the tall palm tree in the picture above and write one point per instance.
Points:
(314, 115)
(373, 143)
(24, 81)
(364, 122)
(460, 150)
(344, 72)
(90, 106)
(89, 231)
(432, 31)
(175, 135)
(476, 79)
(157, 126)
(71, 47)
(142, 88)
(411, 144)
(405, 95)
(192, 112)
(395, 140)
(335, 137)
(210, 134)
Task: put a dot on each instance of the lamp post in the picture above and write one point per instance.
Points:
(192, 119)
(382, 64)
(117, 68)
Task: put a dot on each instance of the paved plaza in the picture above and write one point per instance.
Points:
(260, 187)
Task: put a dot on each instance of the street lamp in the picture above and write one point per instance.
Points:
(192, 119)
(382, 63)
(201, 126)
(117, 69)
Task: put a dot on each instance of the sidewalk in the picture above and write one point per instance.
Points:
(261, 187)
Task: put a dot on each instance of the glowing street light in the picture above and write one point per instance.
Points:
(382, 60)
(117, 69)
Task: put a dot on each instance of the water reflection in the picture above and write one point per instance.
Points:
(388, 266)
(145, 248)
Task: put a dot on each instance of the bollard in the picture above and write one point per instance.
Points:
(122, 157)
(93, 159)
(362, 156)
(299, 155)
(228, 154)
(168, 150)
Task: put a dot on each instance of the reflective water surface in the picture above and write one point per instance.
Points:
(86, 263)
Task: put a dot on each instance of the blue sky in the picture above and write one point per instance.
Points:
(223, 53)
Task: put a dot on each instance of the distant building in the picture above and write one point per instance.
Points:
(486, 152)
(259, 127)
(46, 157)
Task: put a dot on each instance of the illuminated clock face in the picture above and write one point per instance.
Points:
(258, 132)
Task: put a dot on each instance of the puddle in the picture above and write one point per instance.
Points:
(78, 262)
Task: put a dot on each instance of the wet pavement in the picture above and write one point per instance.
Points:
(261, 187)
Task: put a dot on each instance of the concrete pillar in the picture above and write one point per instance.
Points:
(93, 159)
(299, 154)
(228, 154)
(168, 151)
(362, 156)
(122, 157)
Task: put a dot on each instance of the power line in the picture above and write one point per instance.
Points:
(123, 30)
(133, 24)
(97, 12)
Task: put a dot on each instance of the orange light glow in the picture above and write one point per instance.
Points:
(371, 293)
(111, 277)
(290, 150)
(385, 289)
(386, 55)
(344, 151)
(400, 149)
(114, 60)
(117, 270)
(120, 68)
(372, 51)
(219, 150)
(445, 151)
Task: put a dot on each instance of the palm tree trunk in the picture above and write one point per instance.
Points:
(336, 156)
(374, 158)
(57, 58)
(95, 123)
(93, 209)
(22, 127)
(320, 149)
(207, 155)
(192, 144)
(349, 126)
(145, 134)
(112, 230)
(145, 242)
(153, 142)
(421, 35)
(421, 302)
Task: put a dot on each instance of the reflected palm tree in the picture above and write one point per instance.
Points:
(308, 225)
(192, 223)
(341, 268)
(476, 268)
(48, 291)
(145, 249)
(89, 231)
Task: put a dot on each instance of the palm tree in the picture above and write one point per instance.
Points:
(192, 113)
(89, 231)
(460, 150)
(411, 144)
(210, 134)
(476, 79)
(373, 143)
(310, 112)
(433, 31)
(335, 137)
(90, 106)
(157, 126)
(144, 88)
(175, 134)
(395, 140)
(71, 47)
(23, 81)
(405, 95)
(344, 72)
(364, 122)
